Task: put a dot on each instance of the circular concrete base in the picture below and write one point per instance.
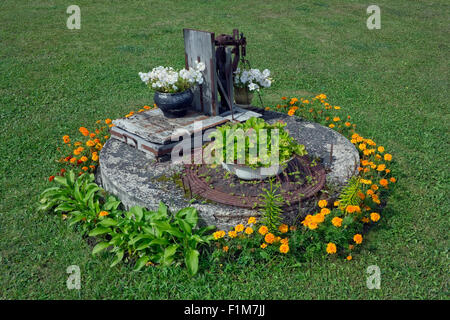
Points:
(138, 179)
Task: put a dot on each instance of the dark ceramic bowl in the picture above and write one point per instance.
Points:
(174, 104)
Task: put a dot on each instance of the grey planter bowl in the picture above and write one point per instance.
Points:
(174, 104)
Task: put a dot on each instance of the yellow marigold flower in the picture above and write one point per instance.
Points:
(269, 238)
(331, 248)
(369, 192)
(374, 216)
(239, 228)
(313, 225)
(336, 221)
(225, 249)
(359, 139)
(94, 156)
(322, 203)
(381, 167)
(103, 213)
(349, 258)
(336, 119)
(284, 241)
(325, 211)
(232, 234)
(267, 108)
(263, 245)
(248, 230)
(251, 220)
(218, 234)
(306, 101)
(331, 126)
(84, 158)
(380, 149)
(337, 108)
(351, 209)
(284, 248)
(388, 157)
(358, 238)
(283, 228)
(90, 143)
(263, 230)
(336, 203)
(291, 112)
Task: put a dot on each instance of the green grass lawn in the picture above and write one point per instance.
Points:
(392, 81)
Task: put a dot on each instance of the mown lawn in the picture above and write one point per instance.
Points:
(392, 81)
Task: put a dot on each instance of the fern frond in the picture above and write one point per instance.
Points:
(349, 194)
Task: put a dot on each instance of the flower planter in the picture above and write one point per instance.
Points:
(248, 173)
(243, 96)
(174, 104)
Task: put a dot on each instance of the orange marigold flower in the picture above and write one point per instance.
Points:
(269, 238)
(293, 100)
(83, 158)
(325, 211)
(263, 230)
(103, 213)
(384, 182)
(66, 139)
(347, 124)
(283, 98)
(85, 168)
(336, 119)
(218, 234)
(284, 248)
(358, 238)
(331, 248)
(284, 241)
(267, 108)
(374, 216)
(84, 131)
(331, 126)
(374, 187)
(380, 149)
(146, 107)
(393, 180)
(336, 203)
(90, 143)
(263, 245)
(283, 228)
(94, 156)
(381, 167)
(349, 258)
(73, 160)
(365, 220)
(322, 203)
(388, 157)
(51, 178)
(92, 135)
(336, 221)
(108, 121)
(225, 249)
(291, 112)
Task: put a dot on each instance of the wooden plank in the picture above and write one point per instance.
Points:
(199, 46)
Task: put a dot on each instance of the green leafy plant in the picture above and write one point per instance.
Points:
(272, 206)
(252, 130)
(349, 194)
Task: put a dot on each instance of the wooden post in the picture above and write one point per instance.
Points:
(199, 46)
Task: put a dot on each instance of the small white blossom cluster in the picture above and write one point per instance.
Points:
(254, 79)
(166, 79)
